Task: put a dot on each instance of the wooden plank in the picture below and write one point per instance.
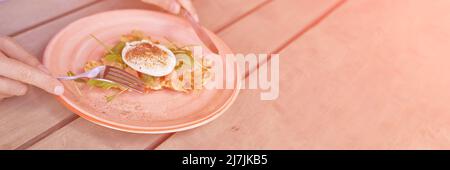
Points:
(217, 14)
(272, 25)
(18, 15)
(23, 118)
(370, 76)
(87, 135)
(69, 138)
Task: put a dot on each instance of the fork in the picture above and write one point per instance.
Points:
(112, 75)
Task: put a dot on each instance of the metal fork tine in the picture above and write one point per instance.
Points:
(140, 88)
(113, 69)
(135, 84)
(110, 69)
(135, 81)
(114, 80)
(112, 74)
(122, 81)
(124, 73)
(125, 83)
(124, 78)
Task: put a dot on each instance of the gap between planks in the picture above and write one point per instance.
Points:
(47, 132)
(74, 117)
(256, 8)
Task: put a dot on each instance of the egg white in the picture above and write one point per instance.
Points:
(157, 72)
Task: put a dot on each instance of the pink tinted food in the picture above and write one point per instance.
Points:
(157, 112)
(143, 53)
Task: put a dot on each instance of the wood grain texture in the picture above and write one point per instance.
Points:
(23, 118)
(217, 14)
(41, 35)
(81, 134)
(273, 24)
(18, 15)
(369, 76)
(69, 137)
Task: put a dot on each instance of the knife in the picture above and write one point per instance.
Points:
(202, 35)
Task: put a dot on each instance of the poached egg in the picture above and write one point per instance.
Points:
(149, 58)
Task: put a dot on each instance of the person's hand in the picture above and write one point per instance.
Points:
(18, 68)
(174, 6)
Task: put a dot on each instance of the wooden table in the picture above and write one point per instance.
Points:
(356, 74)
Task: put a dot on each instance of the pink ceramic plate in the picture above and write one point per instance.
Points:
(157, 112)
